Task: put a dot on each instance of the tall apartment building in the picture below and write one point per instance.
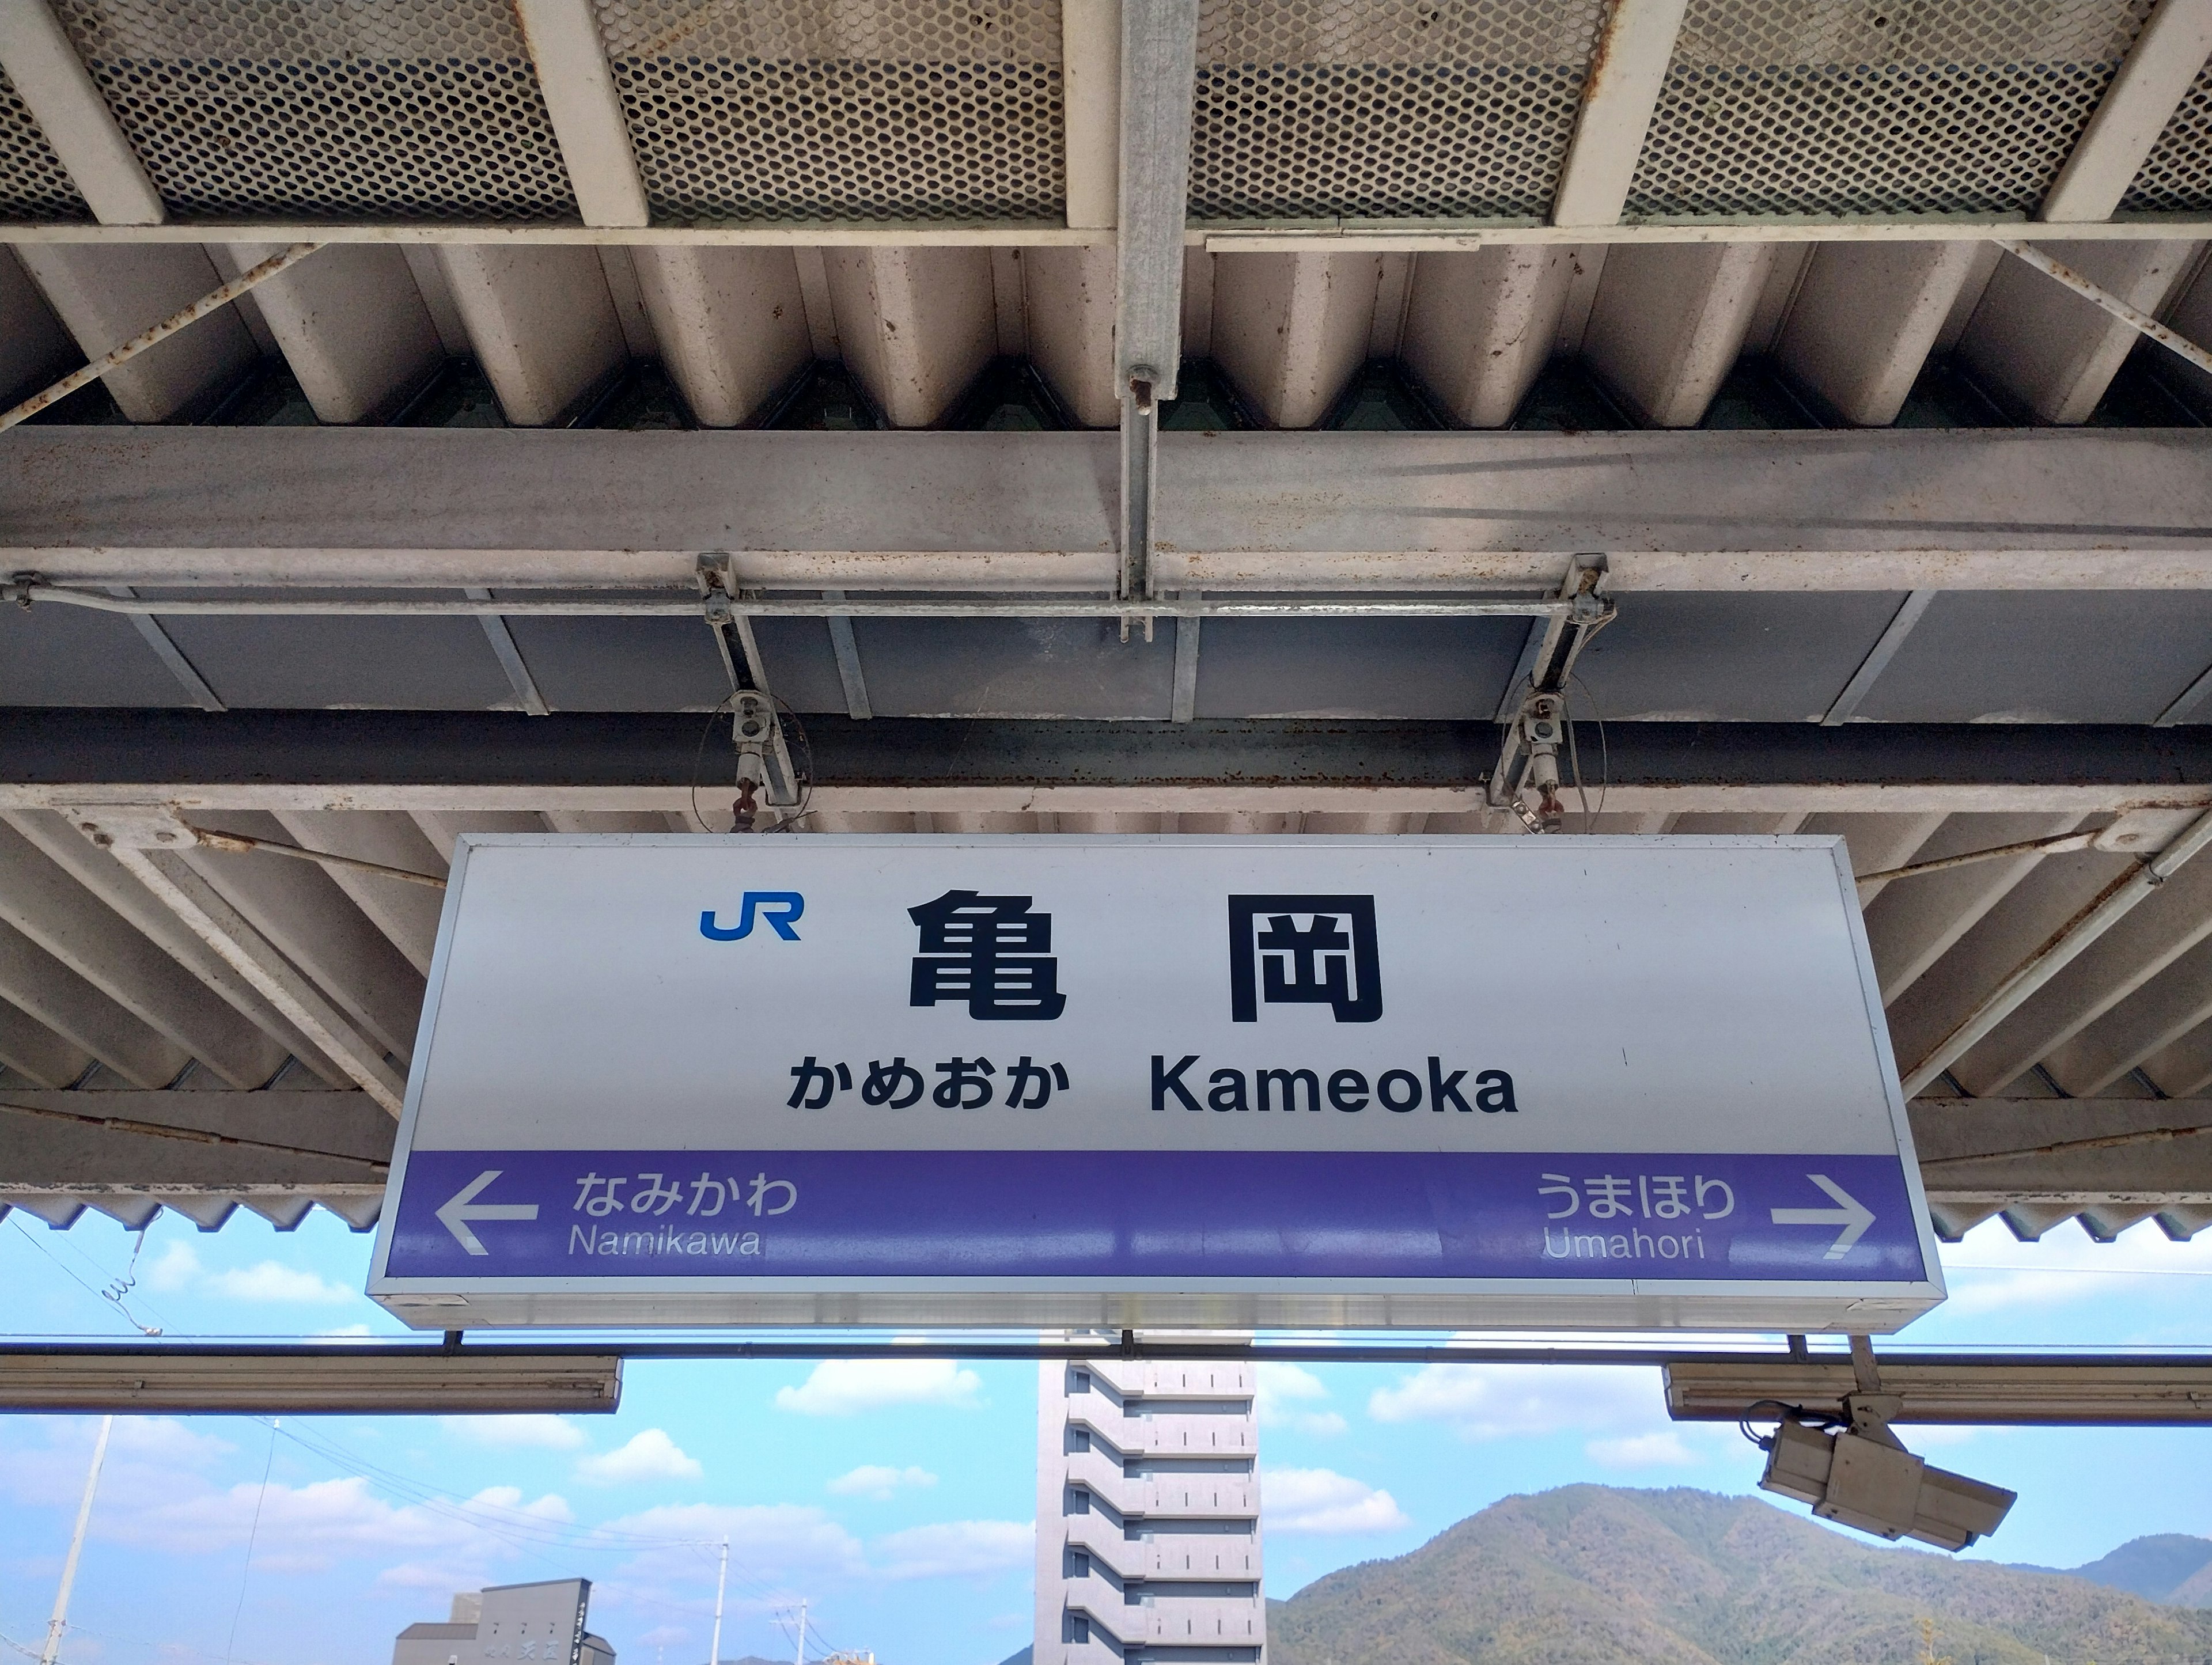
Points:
(1148, 1514)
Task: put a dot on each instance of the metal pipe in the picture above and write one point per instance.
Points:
(27, 591)
(238, 844)
(2059, 845)
(2057, 954)
(214, 300)
(2134, 317)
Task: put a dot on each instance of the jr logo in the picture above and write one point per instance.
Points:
(778, 909)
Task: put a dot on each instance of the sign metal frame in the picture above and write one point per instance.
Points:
(1059, 1301)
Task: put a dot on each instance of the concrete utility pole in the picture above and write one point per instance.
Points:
(59, 1621)
(802, 1630)
(721, 1577)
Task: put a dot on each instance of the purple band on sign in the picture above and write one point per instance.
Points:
(1122, 1214)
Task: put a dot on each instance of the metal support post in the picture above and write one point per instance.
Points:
(1159, 55)
(1139, 452)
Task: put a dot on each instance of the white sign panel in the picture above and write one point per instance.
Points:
(1073, 1081)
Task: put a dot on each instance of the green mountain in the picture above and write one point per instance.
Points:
(2171, 1567)
(1588, 1575)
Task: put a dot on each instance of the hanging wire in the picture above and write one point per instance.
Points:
(118, 1288)
(1574, 757)
(1785, 1413)
(70, 1272)
(252, 1533)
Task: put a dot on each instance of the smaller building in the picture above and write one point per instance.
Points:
(542, 1624)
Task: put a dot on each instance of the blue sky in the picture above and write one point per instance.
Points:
(897, 1499)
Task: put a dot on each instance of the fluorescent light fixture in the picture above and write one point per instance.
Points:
(1994, 1392)
(270, 1382)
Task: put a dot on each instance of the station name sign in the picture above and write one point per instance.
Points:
(1127, 1081)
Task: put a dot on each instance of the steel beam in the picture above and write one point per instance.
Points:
(2047, 962)
(128, 1155)
(494, 761)
(585, 111)
(302, 911)
(1627, 71)
(171, 656)
(52, 81)
(1878, 657)
(35, 1052)
(1159, 45)
(846, 647)
(102, 877)
(501, 642)
(1918, 926)
(1159, 49)
(135, 835)
(998, 513)
(46, 989)
(406, 914)
(1091, 86)
(2119, 965)
(2154, 80)
(2177, 1004)
(41, 900)
(2039, 1161)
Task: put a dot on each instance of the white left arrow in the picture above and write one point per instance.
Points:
(1854, 1216)
(464, 1208)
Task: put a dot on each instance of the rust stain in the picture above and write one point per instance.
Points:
(1601, 61)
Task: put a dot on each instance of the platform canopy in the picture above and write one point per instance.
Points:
(1168, 415)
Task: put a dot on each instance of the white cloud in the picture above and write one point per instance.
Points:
(345, 1333)
(957, 1549)
(873, 1481)
(1642, 1451)
(541, 1431)
(650, 1455)
(176, 1269)
(309, 1528)
(1281, 1386)
(768, 1539)
(1323, 1500)
(267, 1282)
(156, 1494)
(1504, 1402)
(841, 1387)
(272, 1281)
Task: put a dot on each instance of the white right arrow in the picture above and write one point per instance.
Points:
(1854, 1216)
(457, 1212)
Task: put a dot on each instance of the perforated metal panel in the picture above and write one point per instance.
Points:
(1876, 107)
(842, 109)
(33, 184)
(2177, 175)
(1385, 109)
(388, 108)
